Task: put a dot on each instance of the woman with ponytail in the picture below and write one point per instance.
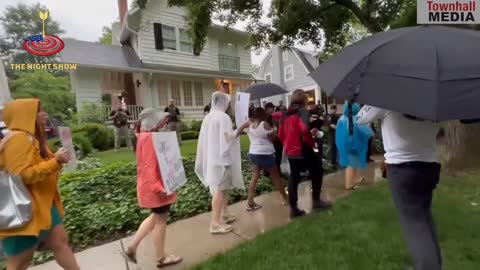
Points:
(352, 143)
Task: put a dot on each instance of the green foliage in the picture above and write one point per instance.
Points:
(54, 92)
(20, 22)
(99, 135)
(106, 37)
(82, 144)
(196, 125)
(189, 135)
(91, 113)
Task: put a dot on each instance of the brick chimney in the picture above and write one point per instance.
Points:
(122, 10)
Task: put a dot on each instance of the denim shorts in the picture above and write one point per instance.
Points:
(263, 161)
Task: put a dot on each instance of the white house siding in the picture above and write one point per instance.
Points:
(87, 85)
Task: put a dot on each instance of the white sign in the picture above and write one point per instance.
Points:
(448, 12)
(67, 143)
(4, 90)
(169, 160)
(241, 108)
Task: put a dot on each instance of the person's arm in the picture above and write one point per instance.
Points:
(166, 109)
(369, 114)
(21, 154)
(113, 114)
(128, 113)
(241, 130)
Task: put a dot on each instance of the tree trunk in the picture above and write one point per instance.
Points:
(462, 146)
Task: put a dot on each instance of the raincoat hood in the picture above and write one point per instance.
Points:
(220, 101)
(21, 114)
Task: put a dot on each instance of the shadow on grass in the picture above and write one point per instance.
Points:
(362, 233)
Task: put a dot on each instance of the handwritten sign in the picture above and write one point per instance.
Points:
(67, 143)
(241, 108)
(169, 160)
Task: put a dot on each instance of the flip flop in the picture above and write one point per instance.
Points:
(220, 229)
(169, 260)
(131, 257)
(361, 180)
(253, 207)
(354, 187)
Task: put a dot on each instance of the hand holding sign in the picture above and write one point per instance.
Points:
(67, 143)
(241, 108)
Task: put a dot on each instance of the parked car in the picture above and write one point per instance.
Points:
(51, 128)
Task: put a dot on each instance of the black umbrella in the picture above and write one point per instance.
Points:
(432, 72)
(263, 90)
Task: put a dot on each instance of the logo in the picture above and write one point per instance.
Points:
(448, 12)
(43, 45)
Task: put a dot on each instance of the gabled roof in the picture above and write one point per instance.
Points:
(124, 58)
(302, 55)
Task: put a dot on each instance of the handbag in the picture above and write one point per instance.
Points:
(15, 202)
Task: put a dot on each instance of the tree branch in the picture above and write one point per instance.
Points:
(366, 19)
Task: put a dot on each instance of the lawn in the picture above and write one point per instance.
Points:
(362, 233)
(188, 149)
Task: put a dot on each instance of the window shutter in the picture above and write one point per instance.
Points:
(157, 32)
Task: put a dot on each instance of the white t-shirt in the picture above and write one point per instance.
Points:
(404, 139)
(260, 143)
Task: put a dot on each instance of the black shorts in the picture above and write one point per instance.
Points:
(161, 210)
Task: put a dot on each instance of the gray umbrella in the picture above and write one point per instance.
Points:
(263, 90)
(432, 72)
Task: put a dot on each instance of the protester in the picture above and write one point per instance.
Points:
(298, 146)
(151, 191)
(262, 156)
(316, 121)
(174, 123)
(206, 110)
(281, 107)
(274, 123)
(332, 120)
(413, 172)
(218, 158)
(251, 110)
(120, 117)
(24, 152)
(352, 143)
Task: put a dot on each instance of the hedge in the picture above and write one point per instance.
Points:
(82, 144)
(189, 135)
(99, 135)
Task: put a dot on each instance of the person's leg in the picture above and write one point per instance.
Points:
(159, 233)
(145, 228)
(333, 150)
(349, 175)
(57, 241)
(412, 191)
(126, 135)
(118, 138)
(21, 261)
(278, 183)
(295, 177)
(217, 207)
(253, 187)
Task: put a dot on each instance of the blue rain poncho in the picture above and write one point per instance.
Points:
(352, 149)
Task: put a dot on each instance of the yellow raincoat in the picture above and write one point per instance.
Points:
(21, 156)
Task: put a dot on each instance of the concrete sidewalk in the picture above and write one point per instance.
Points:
(190, 238)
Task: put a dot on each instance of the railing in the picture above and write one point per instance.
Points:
(229, 63)
(135, 110)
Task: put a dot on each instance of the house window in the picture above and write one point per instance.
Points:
(162, 93)
(169, 37)
(285, 55)
(185, 41)
(268, 77)
(198, 93)
(288, 71)
(175, 92)
(187, 94)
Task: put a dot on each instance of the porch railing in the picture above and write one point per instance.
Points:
(135, 110)
(229, 63)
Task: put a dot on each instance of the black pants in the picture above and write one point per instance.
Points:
(278, 153)
(314, 165)
(412, 186)
(369, 149)
(333, 150)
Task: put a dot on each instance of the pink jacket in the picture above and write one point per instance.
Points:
(150, 187)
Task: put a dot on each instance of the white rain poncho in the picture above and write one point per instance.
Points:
(218, 147)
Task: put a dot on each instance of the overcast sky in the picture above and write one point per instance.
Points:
(84, 19)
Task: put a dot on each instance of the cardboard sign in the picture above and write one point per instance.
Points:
(169, 160)
(241, 108)
(67, 143)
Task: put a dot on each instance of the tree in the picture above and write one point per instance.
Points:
(20, 22)
(54, 92)
(106, 37)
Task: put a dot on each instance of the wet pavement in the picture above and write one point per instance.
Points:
(191, 239)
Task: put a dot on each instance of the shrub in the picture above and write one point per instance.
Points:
(99, 135)
(195, 125)
(189, 135)
(83, 147)
(91, 113)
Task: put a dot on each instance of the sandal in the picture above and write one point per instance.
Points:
(253, 207)
(229, 218)
(169, 260)
(354, 187)
(220, 229)
(361, 180)
(129, 256)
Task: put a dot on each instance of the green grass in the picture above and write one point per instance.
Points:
(188, 149)
(362, 233)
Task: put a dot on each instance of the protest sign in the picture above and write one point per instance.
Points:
(67, 143)
(241, 108)
(169, 160)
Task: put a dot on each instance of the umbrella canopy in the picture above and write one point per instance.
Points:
(432, 72)
(263, 90)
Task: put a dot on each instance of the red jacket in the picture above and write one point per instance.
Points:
(292, 132)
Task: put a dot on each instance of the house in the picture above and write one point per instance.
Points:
(152, 61)
(289, 68)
